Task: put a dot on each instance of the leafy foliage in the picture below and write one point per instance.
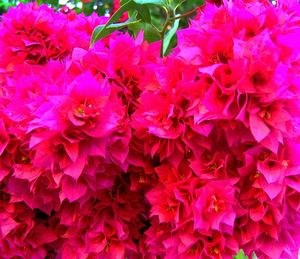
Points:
(103, 7)
(139, 11)
(241, 255)
(159, 19)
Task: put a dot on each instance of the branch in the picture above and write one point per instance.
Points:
(184, 15)
(162, 34)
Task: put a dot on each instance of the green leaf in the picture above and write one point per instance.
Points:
(150, 33)
(102, 32)
(176, 3)
(39, 2)
(4, 4)
(143, 10)
(240, 255)
(154, 2)
(117, 15)
(199, 2)
(169, 36)
(122, 2)
(143, 14)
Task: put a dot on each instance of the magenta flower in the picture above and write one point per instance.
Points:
(110, 151)
(37, 38)
(214, 207)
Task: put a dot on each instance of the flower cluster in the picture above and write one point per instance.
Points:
(114, 152)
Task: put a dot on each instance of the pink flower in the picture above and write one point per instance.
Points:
(113, 152)
(39, 35)
(80, 113)
(220, 165)
(214, 207)
(205, 48)
(160, 116)
(82, 28)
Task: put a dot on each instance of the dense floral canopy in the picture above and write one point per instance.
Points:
(111, 151)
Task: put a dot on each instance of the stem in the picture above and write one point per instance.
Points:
(184, 15)
(170, 20)
(162, 34)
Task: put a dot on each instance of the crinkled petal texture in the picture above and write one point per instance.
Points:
(114, 152)
(36, 34)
